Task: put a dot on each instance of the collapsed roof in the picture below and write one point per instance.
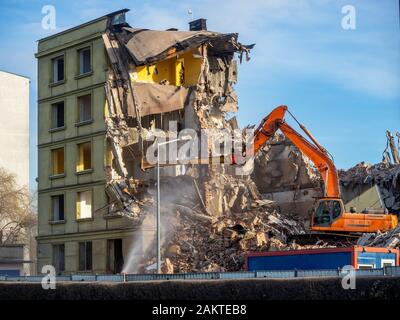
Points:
(149, 46)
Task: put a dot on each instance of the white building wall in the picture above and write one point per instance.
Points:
(14, 125)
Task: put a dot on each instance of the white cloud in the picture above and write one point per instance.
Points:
(300, 37)
(306, 38)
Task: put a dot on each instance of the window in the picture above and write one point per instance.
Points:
(366, 266)
(387, 263)
(85, 256)
(327, 212)
(84, 205)
(57, 115)
(84, 61)
(85, 156)
(59, 257)
(58, 69)
(58, 161)
(85, 108)
(115, 261)
(58, 207)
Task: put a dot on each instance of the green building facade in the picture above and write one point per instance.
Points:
(75, 234)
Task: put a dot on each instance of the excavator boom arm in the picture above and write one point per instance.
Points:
(317, 154)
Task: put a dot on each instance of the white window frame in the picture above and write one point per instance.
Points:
(366, 265)
(55, 69)
(391, 261)
(81, 60)
(55, 209)
(54, 115)
(81, 108)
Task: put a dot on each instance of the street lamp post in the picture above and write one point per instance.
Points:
(158, 212)
(159, 200)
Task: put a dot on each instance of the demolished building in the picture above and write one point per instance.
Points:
(159, 76)
(106, 88)
(163, 76)
(136, 89)
(187, 76)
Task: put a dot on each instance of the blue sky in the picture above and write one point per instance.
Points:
(344, 85)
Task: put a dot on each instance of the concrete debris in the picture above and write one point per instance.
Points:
(283, 174)
(394, 150)
(123, 202)
(389, 239)
(167, 267)
(225, 193)
(221, 244)
(200, 240)
(385, 176)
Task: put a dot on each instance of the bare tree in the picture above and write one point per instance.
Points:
(17, 210)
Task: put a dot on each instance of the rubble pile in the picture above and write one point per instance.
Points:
(283, 174)
(201, 241)
(222, 245)
(389, 239)
(385, 175)
(225, 193)
(281, 166)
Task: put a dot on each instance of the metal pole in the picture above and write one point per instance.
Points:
(158, 212)
(158, 205)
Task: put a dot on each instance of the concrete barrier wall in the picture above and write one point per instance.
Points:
(243, 289)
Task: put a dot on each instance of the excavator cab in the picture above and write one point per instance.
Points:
(330, 216)
(327, 211)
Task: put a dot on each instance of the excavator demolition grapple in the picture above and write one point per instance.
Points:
(330, 219)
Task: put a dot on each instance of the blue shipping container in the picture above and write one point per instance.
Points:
(319, 259)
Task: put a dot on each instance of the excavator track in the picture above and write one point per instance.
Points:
(329, 238)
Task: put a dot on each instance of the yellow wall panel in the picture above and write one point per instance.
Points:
(181, 70)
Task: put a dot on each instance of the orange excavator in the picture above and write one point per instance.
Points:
(329, 215)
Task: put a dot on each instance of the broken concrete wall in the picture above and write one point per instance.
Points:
(159, 76)
(283, 174)
(363, 176)
(375, 186)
